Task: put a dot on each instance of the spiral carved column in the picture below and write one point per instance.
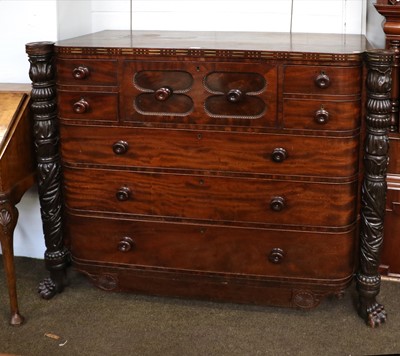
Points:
(374, 187)
(46, 136)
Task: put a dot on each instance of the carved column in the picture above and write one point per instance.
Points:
(46, 137)
(374, 187)
(8, 221)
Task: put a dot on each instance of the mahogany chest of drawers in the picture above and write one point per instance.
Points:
(225, 166)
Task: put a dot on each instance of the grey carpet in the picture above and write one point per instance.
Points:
(92, 322)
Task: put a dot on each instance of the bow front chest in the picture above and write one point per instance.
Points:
(224, 166)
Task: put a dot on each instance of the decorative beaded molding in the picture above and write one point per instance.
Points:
(161, 52)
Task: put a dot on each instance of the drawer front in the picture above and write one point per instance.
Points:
(86, 72)
(322, 80)
(199, 93)
(324, 115)
(211, 198)
(212, 249)
(207, 150)
(88, 106)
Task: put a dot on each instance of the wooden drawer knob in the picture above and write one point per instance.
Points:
(279, 154)
(81, 106)
(123, 194)
(276, 255)
(120, 147)
(163, 93)
(81, 72)
(126, 244)
(321, 116)
(277, 203)
(234, 95)
(322, 80)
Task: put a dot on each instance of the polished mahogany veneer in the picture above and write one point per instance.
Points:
(226, 166)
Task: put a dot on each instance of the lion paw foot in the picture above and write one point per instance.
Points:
(376, 314)
(47, 288)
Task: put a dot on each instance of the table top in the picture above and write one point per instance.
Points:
(9, 104)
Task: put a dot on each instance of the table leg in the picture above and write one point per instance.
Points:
(8, 221)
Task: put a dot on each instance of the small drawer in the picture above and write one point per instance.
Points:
(293, 155)
(86, 72)
(211, 198)
(326, 115)
(88, 106)
(212, 249)
(322, 80)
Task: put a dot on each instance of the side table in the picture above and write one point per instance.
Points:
(17, 174)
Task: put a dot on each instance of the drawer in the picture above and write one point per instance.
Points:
(212, 249)
(88, 106)
(325, 115)
(86, 72)
(322, 80)
(211, 151)
(199, 93)
(211, 198)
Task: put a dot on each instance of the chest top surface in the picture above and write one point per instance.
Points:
(235, 44)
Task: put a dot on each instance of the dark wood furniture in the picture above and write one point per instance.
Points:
(390, 260)
(226, 166)
(17, 167)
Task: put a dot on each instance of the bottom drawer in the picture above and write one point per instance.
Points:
(215, 249)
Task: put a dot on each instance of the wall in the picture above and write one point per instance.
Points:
(32, 20)
(374, 21)
(337, 16)
(22, 22)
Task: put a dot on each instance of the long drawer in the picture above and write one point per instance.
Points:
(211, 198)
(212, 248)
(276, 154)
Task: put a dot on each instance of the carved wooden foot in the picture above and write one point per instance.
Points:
(57, 263)
(8, 221)
(47, 288)
(369, 309)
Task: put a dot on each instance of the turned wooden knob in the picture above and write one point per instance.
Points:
(321, 116)
(126, 244)
(81, 106)
(120, 147)
(279, 154)
(163, 93)
(123, 194)
(277, 203)
(80, 72)
(276, 255)
(322, 81)
(234, 95)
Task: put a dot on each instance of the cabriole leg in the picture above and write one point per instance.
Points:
(8, 221)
